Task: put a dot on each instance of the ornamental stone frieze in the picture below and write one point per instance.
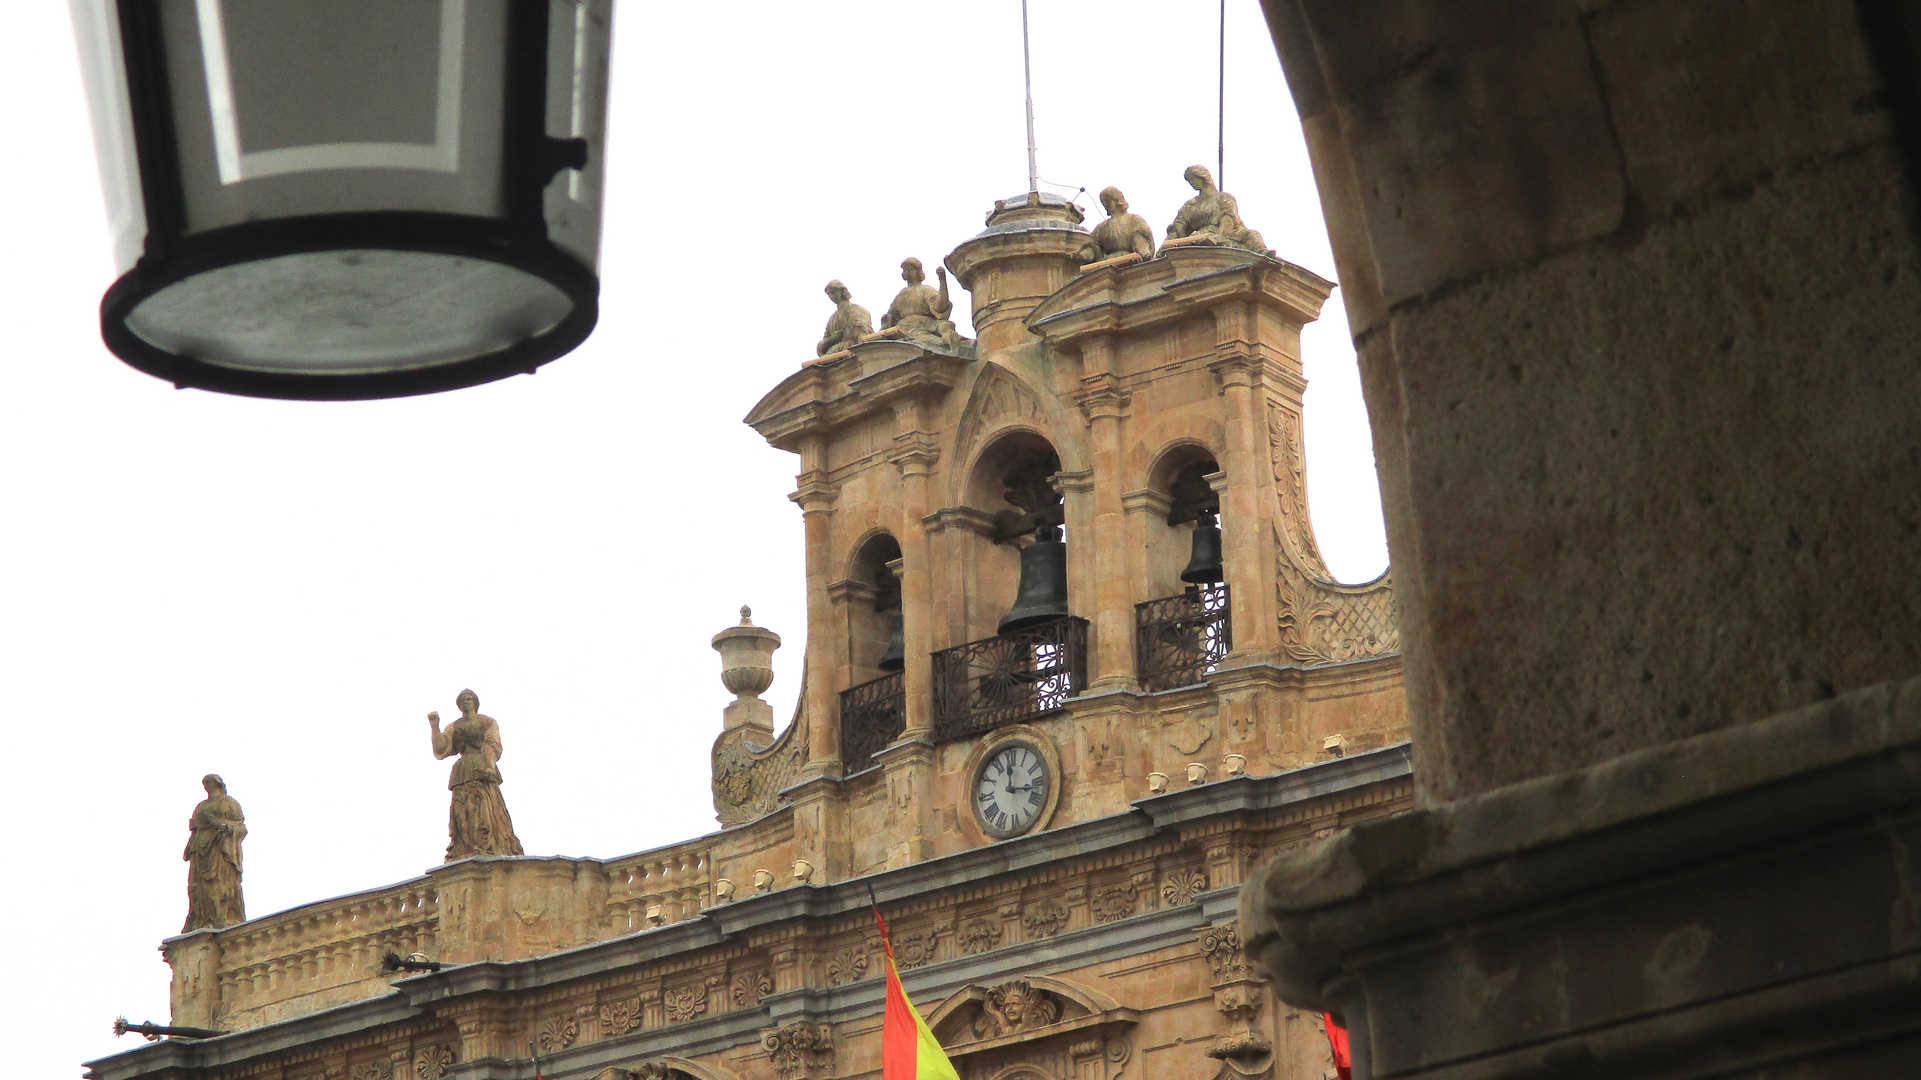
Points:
(800, 1050)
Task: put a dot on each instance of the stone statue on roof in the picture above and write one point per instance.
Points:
(213, 859)
(848, 324)
(1213, 213)
(1123, 233)
(919, 313)
(477, 822)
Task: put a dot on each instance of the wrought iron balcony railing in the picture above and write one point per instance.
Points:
(872, 715)
(1179, 639)
(1003, 680)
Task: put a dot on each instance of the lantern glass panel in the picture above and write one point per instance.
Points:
(348, 198)
(397, 106)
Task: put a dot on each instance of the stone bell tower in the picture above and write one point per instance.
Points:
(1125, 402)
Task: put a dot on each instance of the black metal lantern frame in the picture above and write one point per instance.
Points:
(470, 244)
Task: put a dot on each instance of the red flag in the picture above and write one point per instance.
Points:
(1337, 1045)
(908, 1050)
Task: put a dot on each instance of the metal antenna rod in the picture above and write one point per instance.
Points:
(1220, 148)
(1027, 68)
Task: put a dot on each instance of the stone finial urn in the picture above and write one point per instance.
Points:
(747, 669)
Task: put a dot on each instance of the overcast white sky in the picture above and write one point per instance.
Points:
(279, 592)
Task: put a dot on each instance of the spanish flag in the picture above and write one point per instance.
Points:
(908, 1051)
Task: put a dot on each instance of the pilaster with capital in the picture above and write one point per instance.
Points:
(1104, 401)
(915, 454)
(815, 497)
(1247, 538)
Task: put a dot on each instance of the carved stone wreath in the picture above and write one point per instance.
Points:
(978, 935)
(558, 1032)
(1114, 902)
(620, 1017)
(1182, 886)
(915, 949)
(433, 1062)
(1044, 919)
(683, 1003)
(847, 965)
(750, 987)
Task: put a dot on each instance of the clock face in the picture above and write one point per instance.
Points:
(1011, 789)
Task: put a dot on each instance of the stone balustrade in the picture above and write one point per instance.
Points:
(296, 961)
(329, 953)
(654, 888)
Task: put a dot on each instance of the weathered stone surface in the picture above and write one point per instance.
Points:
(1607, 555)
(1672, 910)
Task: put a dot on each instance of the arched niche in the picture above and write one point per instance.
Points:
(1007, 489)
(1180, 494)
(873, 603)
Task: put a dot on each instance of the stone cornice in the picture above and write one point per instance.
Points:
(822, 397)
(798, 907)
(1171, 287)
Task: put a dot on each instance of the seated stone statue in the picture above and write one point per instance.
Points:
(1213, 212)
(1122, 233)
(919, 314)
(848, 324)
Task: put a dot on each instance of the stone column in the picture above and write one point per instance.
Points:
(915, 457)
(816, 500)
(1247, 540)
(1105, 403)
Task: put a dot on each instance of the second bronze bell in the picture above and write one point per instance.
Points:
(1043, 592)
(1205, 567)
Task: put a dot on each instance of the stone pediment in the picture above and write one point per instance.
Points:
(1173, 286)
(984, 1017)
(846, 386)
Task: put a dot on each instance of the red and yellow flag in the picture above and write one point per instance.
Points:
(908, 1051)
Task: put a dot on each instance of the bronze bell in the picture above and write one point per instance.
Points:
(895, 658)
(1043, 593)
(1205, 567)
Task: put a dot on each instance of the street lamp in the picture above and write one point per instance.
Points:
(333, 199)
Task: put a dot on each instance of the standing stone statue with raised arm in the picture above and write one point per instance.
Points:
(213, 859)
(1213, 213)
(920, 314)
(477, 823)
(848, 324)
(1123, 233)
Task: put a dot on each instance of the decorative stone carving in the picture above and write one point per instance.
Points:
(1241, 1046)
(1014, 1006)
(1111, 903)
(620, 1017)
(1043, 919)
(1123, 233)
(748, 779)
(433, 1062)
(377, 1070)
(1213, 213)
(477, 822)
(750, 987)
(799, 1047)
(848, 324)
(1221, 945)
(921, 314)
(978, 935)
(847, 965)
(1182, 886)
(214, 833)
(914, 949)
(558, 1032)
(683, 1003)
